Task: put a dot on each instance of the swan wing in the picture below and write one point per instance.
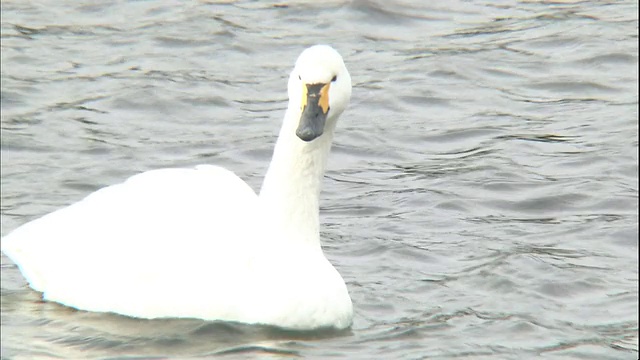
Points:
(126, 248)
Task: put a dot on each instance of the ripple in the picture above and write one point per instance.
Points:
(480, 200)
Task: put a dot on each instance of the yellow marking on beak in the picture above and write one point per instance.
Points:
(303, 104)
(324, 98)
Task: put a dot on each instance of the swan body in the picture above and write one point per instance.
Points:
(199, 242)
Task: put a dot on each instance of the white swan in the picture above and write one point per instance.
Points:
(199, 243)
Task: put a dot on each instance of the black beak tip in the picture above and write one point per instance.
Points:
(307, 135)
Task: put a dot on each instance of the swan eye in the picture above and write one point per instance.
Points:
(299, 77)
(334, 78)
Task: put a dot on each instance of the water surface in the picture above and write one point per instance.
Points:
(481, 200)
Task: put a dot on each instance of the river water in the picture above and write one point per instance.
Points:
(481, 199)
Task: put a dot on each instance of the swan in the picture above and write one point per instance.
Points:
(199, 242)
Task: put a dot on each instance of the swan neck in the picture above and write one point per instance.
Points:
(291, 190)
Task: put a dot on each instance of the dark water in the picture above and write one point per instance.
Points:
(481, 200)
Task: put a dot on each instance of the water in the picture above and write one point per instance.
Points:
(481, 199)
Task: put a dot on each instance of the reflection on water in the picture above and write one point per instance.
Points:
(74, 334)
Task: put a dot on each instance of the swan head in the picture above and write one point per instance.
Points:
(320, 86)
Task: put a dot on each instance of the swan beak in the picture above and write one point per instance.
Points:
(315, 106)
